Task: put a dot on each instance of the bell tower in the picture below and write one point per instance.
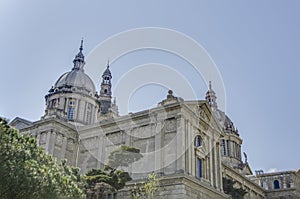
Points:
(105, 92)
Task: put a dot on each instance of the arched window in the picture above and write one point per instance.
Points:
(198, 141)
(276, 184)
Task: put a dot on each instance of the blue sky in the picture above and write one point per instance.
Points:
(255, 45)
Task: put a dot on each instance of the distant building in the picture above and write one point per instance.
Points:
(192, 145)
(284, 184)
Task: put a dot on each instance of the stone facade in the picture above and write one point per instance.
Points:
(284, 184)
(191, 145)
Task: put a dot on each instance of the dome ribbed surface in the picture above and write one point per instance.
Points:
(76, 78)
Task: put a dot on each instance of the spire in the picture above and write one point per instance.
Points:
(107, 74)
(211, 97)
(79, 58)
(210, 87)
(81, 46)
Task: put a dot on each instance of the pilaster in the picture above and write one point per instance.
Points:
(158, 147)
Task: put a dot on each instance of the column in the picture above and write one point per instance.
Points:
(211, 162)
(77, 109)
(190, 147)
(63, 147)
(207, 171)
(179, 143)
(284, 181)
(158, 147)
(100, 151)
(217, 169)
(193, 155)
(128, 132)
(186, 147)
(52, 142)
(38, 138)
(47, 144)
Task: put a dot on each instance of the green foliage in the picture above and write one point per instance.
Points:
(228, 187)
(146, 189)
(123, 156)
(110, 178)
(115, 179)
(26, 171)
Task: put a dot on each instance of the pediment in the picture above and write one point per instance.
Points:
(19, 123)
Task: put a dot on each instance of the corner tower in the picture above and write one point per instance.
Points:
(230, 141)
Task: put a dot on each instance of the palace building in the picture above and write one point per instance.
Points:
(191, 145)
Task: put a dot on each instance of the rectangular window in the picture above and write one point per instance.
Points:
(228, 147)
(223, 147)
(115, 195)
(88, 117)
(89, 113)
(70, 113)
(199, 168)
(109, 196)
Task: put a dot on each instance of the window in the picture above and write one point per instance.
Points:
(71, 102)
(227, 147)
(265, 185)
(199, 168)
(223, 147)
(53, 103)
(89, 113)
(109, 196)
(276, 184)
(70, 113)
(115, 196)
(198, 141)
(106, 80)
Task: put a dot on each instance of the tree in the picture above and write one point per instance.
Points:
(123, 156)
(110, 178)
(228, 187)
(147, 189)
(26, 171)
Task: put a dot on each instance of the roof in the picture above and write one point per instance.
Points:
(75, 78)
(20, 123)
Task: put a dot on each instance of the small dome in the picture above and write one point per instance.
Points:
(76, 78)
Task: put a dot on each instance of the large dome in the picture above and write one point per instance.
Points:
(76, 78)
(225, 122)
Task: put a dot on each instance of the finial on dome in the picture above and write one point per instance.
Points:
(210, 87)
(81, 45)
(79, 58)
